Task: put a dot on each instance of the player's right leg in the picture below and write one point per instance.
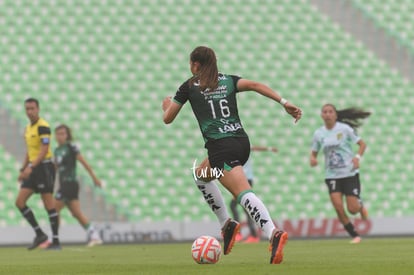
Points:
(253, 237)
(354, 205)
(235, 181)
(354, 202)
(22, 197)
(337, 202)
(59, 205)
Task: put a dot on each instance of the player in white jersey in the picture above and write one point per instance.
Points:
(335, 140)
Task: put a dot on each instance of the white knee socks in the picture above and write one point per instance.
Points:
(257, 211)
(214, 198)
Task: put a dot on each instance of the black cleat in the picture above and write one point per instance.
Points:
(37, 241)
(53, 246)
(229, 232)
(277, 243)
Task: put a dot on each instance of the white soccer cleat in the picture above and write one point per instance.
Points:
(355, 240)
(94, 242)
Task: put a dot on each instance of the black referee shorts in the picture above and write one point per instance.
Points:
(42, 178)
(226, 153)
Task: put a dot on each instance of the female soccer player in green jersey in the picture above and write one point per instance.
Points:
(335, 140)
(212, 96)
(66, 155)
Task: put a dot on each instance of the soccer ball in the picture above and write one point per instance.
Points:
(206, 250)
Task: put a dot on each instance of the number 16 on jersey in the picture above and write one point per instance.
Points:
(224, 108)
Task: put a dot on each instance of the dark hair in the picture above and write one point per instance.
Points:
(350, 116)
(208, 73)
(31, 99)
(68, 131)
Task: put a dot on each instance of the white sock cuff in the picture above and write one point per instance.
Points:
(198, 182)
(257, 211)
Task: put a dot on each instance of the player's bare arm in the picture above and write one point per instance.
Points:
(88, 168)
(249, 85)
(361, 150)
(313, 159)
(171, 109)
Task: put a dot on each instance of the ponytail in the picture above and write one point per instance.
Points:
(207, 76)
(350, 116)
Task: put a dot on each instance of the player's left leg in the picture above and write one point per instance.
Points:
(59, 205)
(93, 236)
(46, 181)
(21, 200)
(211, 193)
(49, 204)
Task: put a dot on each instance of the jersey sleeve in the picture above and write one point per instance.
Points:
(75, 149)
(236, 79)
(316, 144)
(352, 135)
(181, 96)
(44, 133)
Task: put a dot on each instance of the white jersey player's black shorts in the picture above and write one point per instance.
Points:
(349, 186)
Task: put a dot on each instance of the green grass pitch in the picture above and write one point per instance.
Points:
(372, 256)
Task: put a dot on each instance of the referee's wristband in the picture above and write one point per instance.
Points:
(358, 156)
(283, 101)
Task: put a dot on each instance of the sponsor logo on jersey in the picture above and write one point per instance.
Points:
(231, 127)
(222, 77)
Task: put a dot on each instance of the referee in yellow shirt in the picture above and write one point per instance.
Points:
(38, 174)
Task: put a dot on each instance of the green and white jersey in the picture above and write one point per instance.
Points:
(336, 144)
(215, 110)
(65, 158)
